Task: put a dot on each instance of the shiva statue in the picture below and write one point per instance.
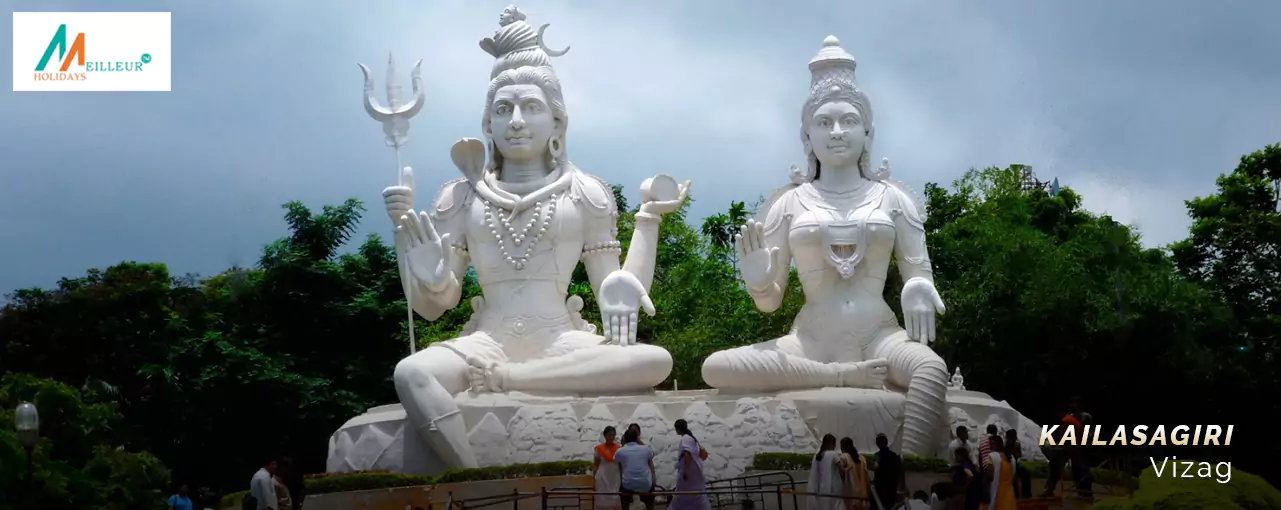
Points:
(523, 219)
(842, 223)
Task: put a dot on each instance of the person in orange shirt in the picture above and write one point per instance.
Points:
(606, 472)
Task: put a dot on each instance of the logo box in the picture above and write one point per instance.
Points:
(92, 51)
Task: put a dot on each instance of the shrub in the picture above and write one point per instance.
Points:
(562, 468)
(773, 461)
(1244, 492)
(325, 483)
(233, 500)
(364, 481)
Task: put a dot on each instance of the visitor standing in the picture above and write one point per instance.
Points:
(262, 489)
(689, 472)
(825, 477)
(294, 480)
(889, 473)
(283, 501)
(967, 488)
(637, 464)
(605, 472)
(985, 445)
(1022, 477)
(180, 500)
(1000, 470)
(635, 427)
(1077, 453)
(1059, 455)
(853, 476)
(962, 440)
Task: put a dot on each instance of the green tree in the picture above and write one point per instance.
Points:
(1034, 314)
(1234, 250)
(76, 464)
(251, 362)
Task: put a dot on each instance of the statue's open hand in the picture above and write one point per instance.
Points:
(865, 374)
(757, 261)
(661, 207)
(486, 377)
(921, 302)
(426, 250)
(621, 298)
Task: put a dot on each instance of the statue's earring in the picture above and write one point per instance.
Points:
(555, 147)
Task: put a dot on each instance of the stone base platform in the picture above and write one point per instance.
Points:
(518, 428)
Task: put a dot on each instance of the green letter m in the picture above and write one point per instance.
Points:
(59, 43)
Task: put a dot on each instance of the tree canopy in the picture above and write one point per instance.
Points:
(1045, 300)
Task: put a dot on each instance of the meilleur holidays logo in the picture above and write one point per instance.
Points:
(91, 51)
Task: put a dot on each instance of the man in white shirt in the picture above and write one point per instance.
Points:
(963, 441)
(261, 489)
(919, 501)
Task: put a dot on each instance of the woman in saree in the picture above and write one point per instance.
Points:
(1000, 470)
(853, 476)
(689, 472)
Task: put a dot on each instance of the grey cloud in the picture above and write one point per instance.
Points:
(1138, 105)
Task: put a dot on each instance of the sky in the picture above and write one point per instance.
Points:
(1136, 105)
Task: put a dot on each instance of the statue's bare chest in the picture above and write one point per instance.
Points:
(495, 234)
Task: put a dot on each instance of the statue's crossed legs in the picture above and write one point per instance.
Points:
(782, 364)
(576, 362)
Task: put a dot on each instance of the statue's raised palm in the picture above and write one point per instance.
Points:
(758, 262)
(428, 259)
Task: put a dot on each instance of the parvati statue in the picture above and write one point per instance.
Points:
(842, 223)
(523, 219)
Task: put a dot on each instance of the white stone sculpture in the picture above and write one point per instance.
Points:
(958, 380)
(842, 222)
(523, 219)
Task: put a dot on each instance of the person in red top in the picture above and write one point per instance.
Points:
(1059, 455)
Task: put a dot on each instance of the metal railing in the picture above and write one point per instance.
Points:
(748, 492)
(579, 495)
(733, 491)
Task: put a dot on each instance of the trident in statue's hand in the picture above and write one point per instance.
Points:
(394, 117)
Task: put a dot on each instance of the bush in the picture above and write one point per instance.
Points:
(325, 483)
(562, 468)
(773, 461)
(1244, 492)
(1040, 469)
(233, 500)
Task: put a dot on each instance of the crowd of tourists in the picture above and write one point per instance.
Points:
(989, 477)
(843, 480)
(624, 471)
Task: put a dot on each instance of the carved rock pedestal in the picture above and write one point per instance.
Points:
(516, 428)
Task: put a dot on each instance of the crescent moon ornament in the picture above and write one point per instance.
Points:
(543, 46)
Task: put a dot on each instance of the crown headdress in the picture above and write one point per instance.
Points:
(517, 44)
(832, 74)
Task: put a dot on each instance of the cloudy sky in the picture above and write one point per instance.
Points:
(1137, 105)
